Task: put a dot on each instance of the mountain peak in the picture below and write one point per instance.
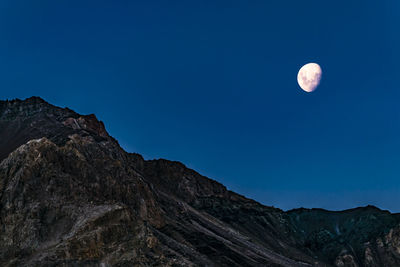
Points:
(69, 195)
(33, 118)
(33, 100)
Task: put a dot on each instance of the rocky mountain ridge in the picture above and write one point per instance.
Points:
(71, 196)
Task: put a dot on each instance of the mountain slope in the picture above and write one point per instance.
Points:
(69, 195)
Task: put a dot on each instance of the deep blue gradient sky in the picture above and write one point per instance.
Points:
(213, 84)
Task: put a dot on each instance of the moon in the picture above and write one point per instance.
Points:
(309, 77)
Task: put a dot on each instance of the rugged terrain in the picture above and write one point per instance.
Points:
(71, 196)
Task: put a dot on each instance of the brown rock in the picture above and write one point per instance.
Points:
(70, 196)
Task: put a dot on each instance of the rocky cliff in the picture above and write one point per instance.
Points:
(70, 196)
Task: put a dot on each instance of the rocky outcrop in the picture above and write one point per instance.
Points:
(71, 196)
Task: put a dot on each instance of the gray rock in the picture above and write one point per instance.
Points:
(71, 196)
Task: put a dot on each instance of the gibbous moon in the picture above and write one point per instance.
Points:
(309, 77)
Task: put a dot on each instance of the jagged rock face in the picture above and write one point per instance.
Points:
(347, 238)
(21, 121)
(70, 196)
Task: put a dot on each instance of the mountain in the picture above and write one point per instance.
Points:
(71, 196)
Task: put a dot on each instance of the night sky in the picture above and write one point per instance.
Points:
(213, 84)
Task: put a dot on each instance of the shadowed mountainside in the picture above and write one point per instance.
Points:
(70, 195)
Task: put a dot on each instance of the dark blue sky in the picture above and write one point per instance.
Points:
(213, 84)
